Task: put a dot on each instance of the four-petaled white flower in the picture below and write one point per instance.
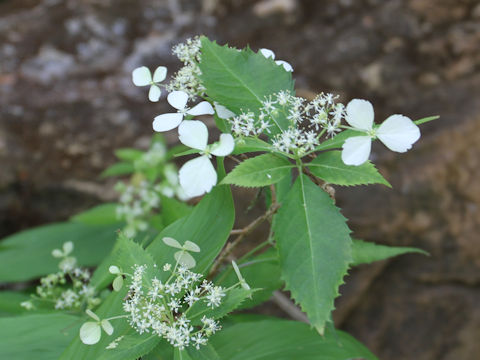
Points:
(270, 54)
(142, 76)
(182, 256)
(179, 99)
(198, 176)
(91, 331)
(397, 132)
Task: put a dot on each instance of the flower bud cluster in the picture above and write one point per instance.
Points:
(162, 308)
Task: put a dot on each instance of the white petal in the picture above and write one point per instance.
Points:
(90, 333)
(191, 246)
(285, 64)
(107, 327)
(360, 114)
(67, 247)
(92, 314)
(194, 134)
(154, 93)
(267, 53)
(167, 122)
(113, 269)
(117, 283)
(160, 74)
(202, 108)
(185, 259)
(223, 112)
(172, 242)
(224, 146)
(141, 76)
(178, 99)
(356, 150)
(398, 133)
(197, 176)
(57, 253)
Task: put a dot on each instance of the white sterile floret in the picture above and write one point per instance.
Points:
(398, 132)
(91, 331)
(67, 248)
(222, 111)
(198, 176)
(142, 76)
(179, 99)
(182, 256)
(270, 54)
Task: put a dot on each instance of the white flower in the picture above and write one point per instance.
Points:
(91, 331)
(270, 54)
(222, 111)
(179, 99)
(397, 132)
(66, 250)
(198, 176)
(142, 76)
(182, 256)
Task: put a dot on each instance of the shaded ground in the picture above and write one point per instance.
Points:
(66, 102)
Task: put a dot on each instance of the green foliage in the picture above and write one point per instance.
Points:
(285, 340)
(203, 226)
(29, 252)
(259, 171)
(104, 214)
(329, 166)
(37, 336)
(172, 210)
(366, 252)
(240, 80)
(337, 141)
(129, 154)
(117, 169)
(248, 145)
(10, 302)
(315, 249)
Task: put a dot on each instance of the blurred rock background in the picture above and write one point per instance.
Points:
(66, 102)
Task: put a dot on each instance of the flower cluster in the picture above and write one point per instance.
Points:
(307, 121)
(54, 287)
(187, 78)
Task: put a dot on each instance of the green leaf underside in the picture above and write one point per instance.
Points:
(315, 249)
(329, 166)
(366, 252)
(259, 171)
(231, 301)
(240, 80)
(36, 336)
(285, 340)
(208, 225)
(29, 252)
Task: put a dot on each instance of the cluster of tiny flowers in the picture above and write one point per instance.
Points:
(307, 121)
(53, 287)
(162, 308)
(187, 78)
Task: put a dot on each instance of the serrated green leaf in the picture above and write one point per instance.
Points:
(259, 171)
(277, 339)
(104, 214)
(250, 144)
(330, 167)
(315, 249)
(36, 336)
(28, 254)
(240, 80)
(231, 301)
(337, 141)
(366, 252)
(120, 168)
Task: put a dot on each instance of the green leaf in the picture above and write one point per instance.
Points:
(366, 252)
(27, 254)
(315, 249)
(129, 154)
(330, 167)
(231, 301)
(104, 214)
(285, 340)
(426, 119)
(206, 352)
(131, 346)
(120, 168)
(39, 336)
(181, 354)
(337, 141)
(10, 302)
(259, 171)
(240, 80)
(250, 144)
(172, 210)
(203, 226)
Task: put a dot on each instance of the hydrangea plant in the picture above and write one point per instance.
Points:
(171, 283)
